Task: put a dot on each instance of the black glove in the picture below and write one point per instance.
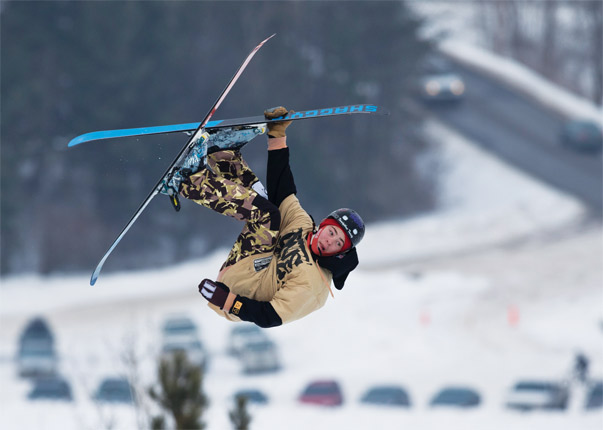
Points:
(277, 129)
(215, 292)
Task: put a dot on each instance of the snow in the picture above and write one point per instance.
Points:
(429, 306)
(503, 283)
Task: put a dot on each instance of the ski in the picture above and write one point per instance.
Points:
(199, 133)
(235, 122)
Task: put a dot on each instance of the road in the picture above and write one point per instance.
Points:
(525, 134)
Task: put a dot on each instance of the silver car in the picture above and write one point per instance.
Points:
(242, 334)
(259, 356)
(531, 395)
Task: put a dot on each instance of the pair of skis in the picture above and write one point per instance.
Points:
(196, 132)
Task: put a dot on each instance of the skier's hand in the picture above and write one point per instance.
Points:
(215, 292)
(277, 129)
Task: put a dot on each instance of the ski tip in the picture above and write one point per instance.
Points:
(75, 141)
(94, 276)
(267, 39)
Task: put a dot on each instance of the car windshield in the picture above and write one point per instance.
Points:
(177, 326)
(115, 385)
(251, 329)
(584, 127)
(434, 65)
(456, 397)
(50, 386)
(386, 394)
(320, 389)
(259, 346)
(38, 352)
(534, 386)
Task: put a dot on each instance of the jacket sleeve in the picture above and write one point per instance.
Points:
(279, 178)
(257, 312)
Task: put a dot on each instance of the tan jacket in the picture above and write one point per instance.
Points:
(288, 278)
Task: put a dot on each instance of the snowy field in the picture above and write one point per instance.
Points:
(428, 307)
(505, 282)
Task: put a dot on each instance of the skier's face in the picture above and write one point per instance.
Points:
(328, 240)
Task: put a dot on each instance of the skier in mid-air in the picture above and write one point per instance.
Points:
(281, 265)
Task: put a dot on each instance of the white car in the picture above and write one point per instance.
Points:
(530, 395)
(242, 334)
(260, 356)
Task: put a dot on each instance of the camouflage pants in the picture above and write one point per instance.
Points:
(225, 187)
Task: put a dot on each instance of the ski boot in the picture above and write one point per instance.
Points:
(233, 137)
(194, 161)
(219, 140)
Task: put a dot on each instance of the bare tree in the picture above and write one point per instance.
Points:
(239, 416)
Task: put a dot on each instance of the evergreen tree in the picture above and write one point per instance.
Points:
(239, 416)
(180, 393)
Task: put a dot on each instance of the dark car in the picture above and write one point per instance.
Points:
(114, 390)
(386, 395)
(439, 81)
(37, 330)
(531, 395)
(252, 396)
(460, 397)
(36, 353)
(582, 135)
(326, 393)
(594, 397)
(54, 388)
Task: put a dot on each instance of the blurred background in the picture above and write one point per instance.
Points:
(482, 192)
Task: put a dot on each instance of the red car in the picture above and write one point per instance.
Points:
(326, 393)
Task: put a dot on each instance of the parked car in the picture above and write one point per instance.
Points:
(37, 330)
(460, 397)
(114, 390)
(325, 393)
(531, 395)
(52, 388)
(193, 349)
(36, 354)
(439, 81)
(386, 395)
(582, 135)
(179, 329)
(37, 361)
(253, 396)
(594, 397)
(259, 356)
(241, 334)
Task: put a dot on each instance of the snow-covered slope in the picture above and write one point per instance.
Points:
(429, 306)
(505, 282)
